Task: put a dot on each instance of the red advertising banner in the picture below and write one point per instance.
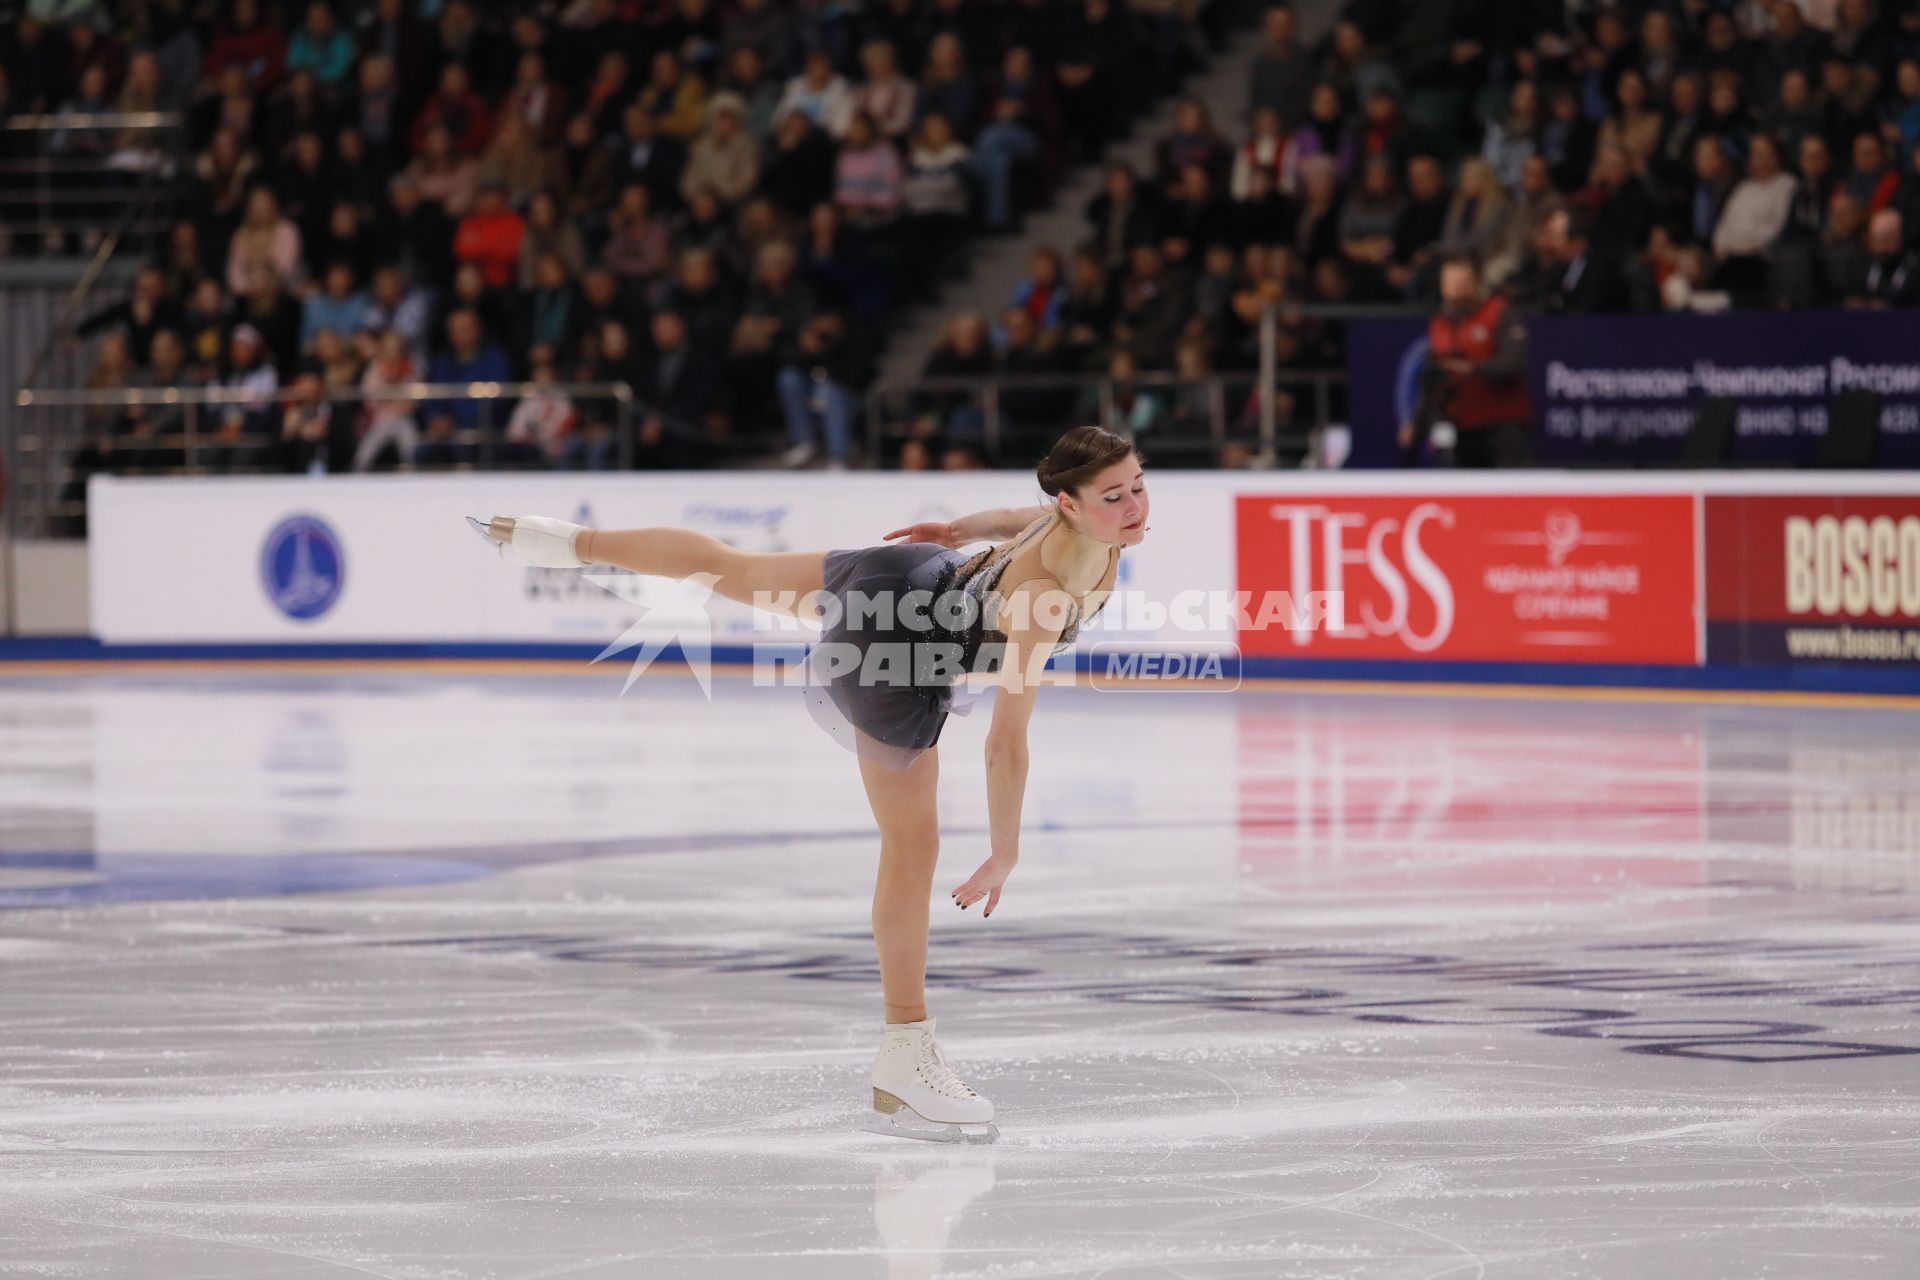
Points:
(1813, 578)
(1490, 578)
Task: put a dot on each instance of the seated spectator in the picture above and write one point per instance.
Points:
(1753, 219)
(747, 80)
(1274, 151)
(1153, 306)
(1514, 138)
(1355, 67)
(1367, 221)
(778, 305)
(441, 175)
(819, 395)
(240, 427)
(885, 95)
(1042, 294)
(255, 48)
(725, 158)
(1418, 227)
(1095, 69)
(394, 304)
(1566, 272)
(1123, 217)
(1194, 141)
(846, 271)
(514, 160)
(320, 46)
(1476, 222)
(1192, 219)
(868, 185)
(638, 248)
(1635, 125)
(644, 156)
(467, 357)
(457, 108)
(1698, 203)
(1872, 181)
(1028, 414)
(937, 199)
(1324, 133)
(315, 433)
(1316, 228)
(340, 307)
(490, 237)
(543, 421)
(535, 100)
(548, 232)
(820, 94)
(701, 299)
(375, 108)
(951, 414)
(263, 239)
(1841, 260)
(144, 312)
(949, 88)
(1892, 277)
(1086, 314)
(677, 392)
(675, 98)
(1125, 407)
(798, 173)
(275, 315)
(1282, 73)
(1619, 203)
(387, 428)
(346, 238)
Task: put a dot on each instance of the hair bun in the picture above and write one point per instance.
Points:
(1078, 456)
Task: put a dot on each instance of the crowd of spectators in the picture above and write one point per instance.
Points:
(1589, 157)
(717, 202)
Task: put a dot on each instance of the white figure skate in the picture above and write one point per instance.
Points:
(917, 1095)
(536, 540)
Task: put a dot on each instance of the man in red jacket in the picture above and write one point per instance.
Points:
(1475, 376)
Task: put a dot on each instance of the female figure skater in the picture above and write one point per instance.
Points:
(929, 614)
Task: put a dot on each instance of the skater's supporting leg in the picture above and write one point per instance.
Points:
(751, 577)
(904, 805)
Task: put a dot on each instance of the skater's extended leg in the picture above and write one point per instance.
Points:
(764, 578)
(904, 805)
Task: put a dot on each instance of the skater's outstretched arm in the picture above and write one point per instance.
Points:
(996, 525)
(1030, 640)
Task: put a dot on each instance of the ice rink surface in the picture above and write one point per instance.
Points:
(465, 975)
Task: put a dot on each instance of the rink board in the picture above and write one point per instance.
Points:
(1721, 580)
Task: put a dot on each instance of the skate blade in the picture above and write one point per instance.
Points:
(905, 1124)
(497, 531)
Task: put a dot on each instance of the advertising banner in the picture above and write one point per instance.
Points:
(1611, 390)
(1619, 388)
(1813, 578)
(1569, 578)
(390, 559)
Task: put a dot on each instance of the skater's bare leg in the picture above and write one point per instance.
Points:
(904, 805)
(764, 578)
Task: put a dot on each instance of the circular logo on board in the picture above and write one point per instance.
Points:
(303, 567)
(1406, 379)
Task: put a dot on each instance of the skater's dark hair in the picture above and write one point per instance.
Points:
(1079, 456)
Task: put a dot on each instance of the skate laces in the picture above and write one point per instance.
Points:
(938, 1074)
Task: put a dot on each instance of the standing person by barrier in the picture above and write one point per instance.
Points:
(1476, 375)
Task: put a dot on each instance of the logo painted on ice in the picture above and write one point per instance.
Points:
(303, 567)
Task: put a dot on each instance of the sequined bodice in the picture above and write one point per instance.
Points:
(979, 577)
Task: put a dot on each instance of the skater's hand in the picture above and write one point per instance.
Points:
(986, 883)
(936, 531)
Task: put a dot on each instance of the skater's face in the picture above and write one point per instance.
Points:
(1112, 506)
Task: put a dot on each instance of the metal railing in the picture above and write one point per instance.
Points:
(76, 174)
(1002, 415)
(197, 431)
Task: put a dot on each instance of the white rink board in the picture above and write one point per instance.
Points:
(181, 562)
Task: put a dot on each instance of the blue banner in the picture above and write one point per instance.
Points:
(1624, 390)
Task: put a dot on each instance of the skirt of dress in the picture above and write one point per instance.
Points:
(867, 682)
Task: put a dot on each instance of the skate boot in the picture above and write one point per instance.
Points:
(917, 1095)
(536, 540)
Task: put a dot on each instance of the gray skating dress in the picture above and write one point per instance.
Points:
(904, 621)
